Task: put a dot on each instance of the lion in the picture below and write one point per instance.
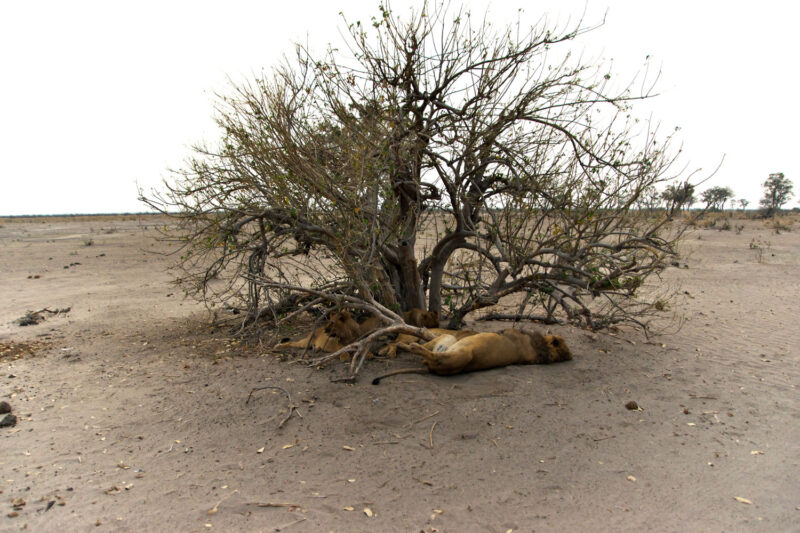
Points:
(340, 331)
(390, 349)
(421, 318)
(446, 355)
(368, 325)
(415, 317)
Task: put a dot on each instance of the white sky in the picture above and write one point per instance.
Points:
(96, 97)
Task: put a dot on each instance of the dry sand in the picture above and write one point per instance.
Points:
(132, 415)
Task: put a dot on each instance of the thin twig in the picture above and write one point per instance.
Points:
(292, 407)
(421, 419)
(432, 428)
(300, 310)
(281, 528)
(214, 509)
(275, 504)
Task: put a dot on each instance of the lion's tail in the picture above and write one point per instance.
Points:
(423, 370)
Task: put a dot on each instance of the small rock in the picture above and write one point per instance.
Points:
(632, 406)
(8, 421)
(5, 407)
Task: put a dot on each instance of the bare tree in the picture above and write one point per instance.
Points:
(437, 162)
(777, 191)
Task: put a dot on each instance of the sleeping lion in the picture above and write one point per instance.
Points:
(447, 355)
(340, 331)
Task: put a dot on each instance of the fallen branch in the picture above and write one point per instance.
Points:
(31, 318)
(275, 504)
(517, 317)
(361, 347)
(292, 407)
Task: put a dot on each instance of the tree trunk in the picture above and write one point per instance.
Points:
(411, 293)
(438, 259)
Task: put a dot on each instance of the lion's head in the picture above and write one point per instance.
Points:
(342, 326)
(421, 318)
(548, 348)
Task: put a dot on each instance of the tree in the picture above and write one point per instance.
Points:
(777, 191)
(439, 163)
(650, 199)
(715, 197)
(743, 203)
(678, 195)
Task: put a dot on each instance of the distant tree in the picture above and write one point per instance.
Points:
(715, 197)
(777, 191)
(678, 196)
(743, 203)
(650, 200)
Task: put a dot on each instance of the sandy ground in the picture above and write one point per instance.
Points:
(132, 414)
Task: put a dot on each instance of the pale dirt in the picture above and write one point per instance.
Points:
(132, 413)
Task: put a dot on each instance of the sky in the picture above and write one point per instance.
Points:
(100, 98)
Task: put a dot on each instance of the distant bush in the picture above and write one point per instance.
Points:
(779, 224)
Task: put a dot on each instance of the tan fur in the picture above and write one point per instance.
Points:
(369, 325)
(390, 349)
(422, 318)
(447, 355)
(340, 331)
(366, 327)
